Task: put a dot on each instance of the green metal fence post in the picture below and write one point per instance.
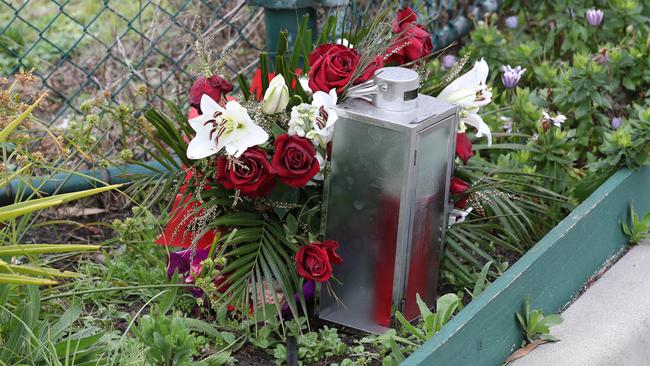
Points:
(276, 20)
(286, 15)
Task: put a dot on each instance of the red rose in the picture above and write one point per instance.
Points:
(404, 16)
(412, 41)
(330, 247)
(314, 261)
(458, 186)
(215, 87)
(294, 160)
(252, 174)
(463, 147)
(333, 66)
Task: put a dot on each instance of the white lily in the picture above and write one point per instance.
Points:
(324, 123)
(304, 83)
(476, 121)
(217, 128)
(470, 91)
(276, 96)
(457, 216)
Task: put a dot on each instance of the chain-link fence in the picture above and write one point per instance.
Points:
(140, 52)
(81, 50)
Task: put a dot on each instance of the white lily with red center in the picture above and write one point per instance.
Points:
(470, 91)
(218, 128)
(324, 122)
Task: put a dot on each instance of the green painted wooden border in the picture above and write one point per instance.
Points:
(551, 274)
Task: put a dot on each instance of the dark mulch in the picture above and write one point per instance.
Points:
(249, 355)
(85, 221)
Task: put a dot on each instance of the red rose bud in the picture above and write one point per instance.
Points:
(412, 42)
(314, 261)
(294, 160)
(333, 66)
(458, 186)
(215, 87)
(463, 147)
(251, 174)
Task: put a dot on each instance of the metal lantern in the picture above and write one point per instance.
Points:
(387, 196)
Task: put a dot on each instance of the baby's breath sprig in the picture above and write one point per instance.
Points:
(204, 57)
(456, 69)
(207, 66)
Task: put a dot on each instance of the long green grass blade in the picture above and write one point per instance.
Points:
(31, 249)
(21, 208)
(5, 132)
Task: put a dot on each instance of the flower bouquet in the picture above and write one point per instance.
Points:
(248, 214)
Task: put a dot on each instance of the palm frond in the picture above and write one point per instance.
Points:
(511, 212)
(257, 255)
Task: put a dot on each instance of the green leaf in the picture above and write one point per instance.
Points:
(65, 321)
(11, 126)
(13, 279)
(409, 327)
(553, 319)
(31, 249)
(21, 208)
(244, 87)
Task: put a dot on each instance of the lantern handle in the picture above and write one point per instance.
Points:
(364, 90)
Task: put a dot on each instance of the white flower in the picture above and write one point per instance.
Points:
(471, 92)
(557, 121)
(217, 128)
(315, 121)
(476, 121)
(319, 176)
(457, 216)
(304, 83)
(323, 125)
(276, 96)
(344, 42)
(302, 119)
(507, 124)
(469, 89)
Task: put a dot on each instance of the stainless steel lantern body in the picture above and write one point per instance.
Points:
(386, 205)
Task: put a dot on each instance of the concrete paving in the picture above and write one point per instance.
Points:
(609, 325)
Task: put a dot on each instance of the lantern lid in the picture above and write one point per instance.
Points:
(365, 111)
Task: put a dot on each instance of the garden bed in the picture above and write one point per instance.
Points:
(550, 274)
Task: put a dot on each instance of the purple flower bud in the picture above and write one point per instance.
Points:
(510, 76)
(448, 61)
(183, 262)
(594, 17)
(512, 22)
(616, 122)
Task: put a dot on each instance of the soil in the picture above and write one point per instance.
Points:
(249, 355)
(86, 221)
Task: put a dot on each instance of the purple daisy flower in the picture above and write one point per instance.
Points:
(510, 76)
(512, 22)
(594, 17)
(448, 61)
